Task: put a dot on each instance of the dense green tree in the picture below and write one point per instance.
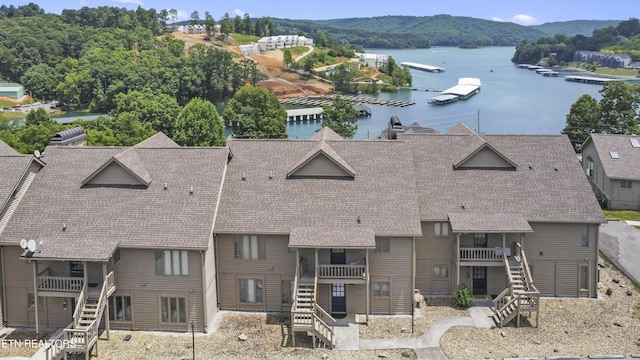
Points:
(618, 108)
(129, 130)
(194, 18)
(583, 119)
(341, 116)
(199, 124)
(209, 24)
(159, 110)
(38, 116)
(225, 25)
(248, 24)
(254, 112)
(286, 56)
(321, 39)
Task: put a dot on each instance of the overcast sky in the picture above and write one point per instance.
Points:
(525, 12)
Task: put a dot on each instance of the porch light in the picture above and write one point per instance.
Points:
(64, 304)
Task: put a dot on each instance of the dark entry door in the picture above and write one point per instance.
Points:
(338, 299)
(338, 256)
(479, 280)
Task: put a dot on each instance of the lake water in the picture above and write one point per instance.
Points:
(512, 100)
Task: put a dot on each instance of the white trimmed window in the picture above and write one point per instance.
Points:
(120, 308)
(441, 229)
(382, 245)
(585, 235)
(441, 271)
(625, 184)
(381, 289)
(172, 262)
(250, 291)
(173, 310)
(589, 166)
(250, 247)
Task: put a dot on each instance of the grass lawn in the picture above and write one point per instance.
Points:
(622, 214)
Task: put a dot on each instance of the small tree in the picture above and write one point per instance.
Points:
(199, 124)
(341, 116)
(463, 296)
(256, 113)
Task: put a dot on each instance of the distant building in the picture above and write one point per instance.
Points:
(249, 49)
(198, 29)
(12, 90)
(604, 59)
(269, 43)
(374, 61)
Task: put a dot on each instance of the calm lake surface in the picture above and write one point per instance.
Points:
(512, 100)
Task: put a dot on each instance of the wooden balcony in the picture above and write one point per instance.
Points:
(347, 274)
(483, 256)
(62, 286)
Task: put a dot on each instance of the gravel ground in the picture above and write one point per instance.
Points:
(610, 325)
(10, 348)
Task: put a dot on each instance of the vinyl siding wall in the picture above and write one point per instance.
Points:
(135, 276)
(211, 285)
(598, 176)
(625, 198)
(279, 265)
(555, 253)
(395, 267)
(430, 251)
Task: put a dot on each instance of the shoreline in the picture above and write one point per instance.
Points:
(621, 77)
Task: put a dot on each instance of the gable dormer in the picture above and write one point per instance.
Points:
(322, 162)
(484, 157)
(122, 170)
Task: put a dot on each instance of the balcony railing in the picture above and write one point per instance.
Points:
(341, 271)
(483, 254)
(47, 282)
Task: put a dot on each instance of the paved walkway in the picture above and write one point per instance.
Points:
(620, 243)
(427, 345)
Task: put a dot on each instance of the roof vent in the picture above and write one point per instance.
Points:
(191, 191)
(614, 154)
(635, 142)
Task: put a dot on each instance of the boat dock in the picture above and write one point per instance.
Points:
(588, 79)
(324, 99)
(423, 67)
(466, 88)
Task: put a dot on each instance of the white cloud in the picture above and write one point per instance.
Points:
(523, 19)
(240, 12)
(136, 2)
(495, 18)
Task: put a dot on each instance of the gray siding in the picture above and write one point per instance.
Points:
(210, 283)
(321, 166)
(19, 283)
(135, 275)
(598, 176)
(430, 251)
(280, 264)
(114, 174)
(397, 266)
(486, 158)
(624, 198)
(559, 247)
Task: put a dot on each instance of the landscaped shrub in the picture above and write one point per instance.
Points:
(463, 296)
(609, 291)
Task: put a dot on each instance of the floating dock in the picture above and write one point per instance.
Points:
(443, 99)
(423, 67)
(321, 100)
(466, 88)
(588, 79)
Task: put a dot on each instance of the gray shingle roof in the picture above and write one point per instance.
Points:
(382, 194)
(333, 237)
(548, 185)
(159, 140)
(6, 150)
(627, 166)
(475, 222)
(99, 218)
(322, 148)
(11, 170)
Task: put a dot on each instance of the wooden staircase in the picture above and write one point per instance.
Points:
(521, 295)
(81, 335)
(307, 316)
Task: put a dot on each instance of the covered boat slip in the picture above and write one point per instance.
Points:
(466, 88)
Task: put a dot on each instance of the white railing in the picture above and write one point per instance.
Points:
(341, 271)
(80, 305)
(59, 283)
(110, 283)
(321, 329)
(481, 254)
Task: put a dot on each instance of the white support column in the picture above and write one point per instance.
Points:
(35, 297)
(504, 242)
(457, 260)
(106, 306)
(366, 263)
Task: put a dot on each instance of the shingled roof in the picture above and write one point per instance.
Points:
(627, 164)
(547, 186)
(6, 150)
(176, 210)
(259, 198)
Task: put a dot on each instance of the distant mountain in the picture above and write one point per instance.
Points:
(427, 31)
(574, 27)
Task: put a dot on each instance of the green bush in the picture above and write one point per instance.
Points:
(609, 291)
(463, 296)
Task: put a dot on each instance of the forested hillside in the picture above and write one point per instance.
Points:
(574, 27)
(413, 31)
(621, 39)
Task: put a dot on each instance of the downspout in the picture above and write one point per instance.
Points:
(204, 291)
(591, 288)
(457, 260)
(4, 285)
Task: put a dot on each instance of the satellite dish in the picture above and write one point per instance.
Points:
(23, 244)
(31, 245)
(36, 153)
